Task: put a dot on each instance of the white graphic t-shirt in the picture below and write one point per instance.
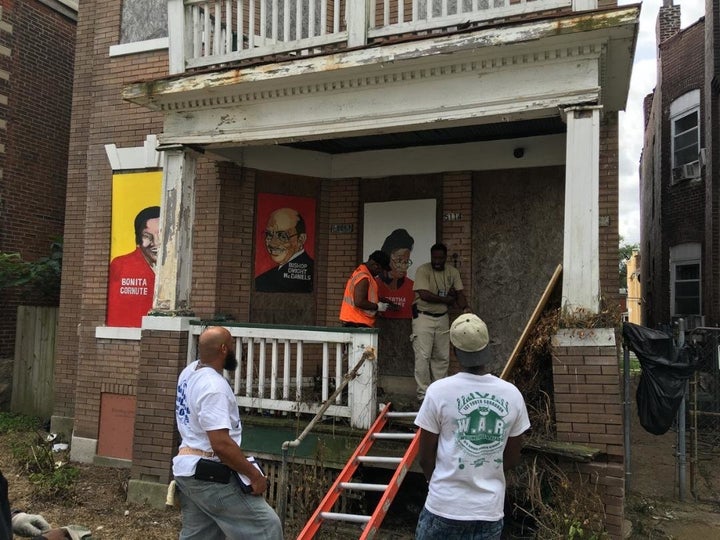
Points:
(204, 402)
(473, 416)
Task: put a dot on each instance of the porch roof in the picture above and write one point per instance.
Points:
(236, 105)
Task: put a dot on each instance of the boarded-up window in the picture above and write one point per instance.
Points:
(143, 20)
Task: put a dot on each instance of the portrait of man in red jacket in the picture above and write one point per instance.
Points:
(131, 281)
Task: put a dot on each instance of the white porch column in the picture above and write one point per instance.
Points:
(581, 261)
(177, 212)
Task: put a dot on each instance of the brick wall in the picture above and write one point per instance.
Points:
(345, 257)
(588, 411)
(162, 358)
(36, 66)
(99, 117)
(608, 210)
(457, 235)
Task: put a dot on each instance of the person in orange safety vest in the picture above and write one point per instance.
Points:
(360, 303)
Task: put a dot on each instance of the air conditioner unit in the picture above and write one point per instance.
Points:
(691, 170)
(677, 173)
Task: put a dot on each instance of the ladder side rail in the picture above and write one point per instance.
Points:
(313, 524)
(393, 487)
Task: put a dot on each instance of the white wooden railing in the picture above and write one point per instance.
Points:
(295, 369)
(212, 32)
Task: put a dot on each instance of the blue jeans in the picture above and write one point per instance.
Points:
(432, 527)
(212, 511)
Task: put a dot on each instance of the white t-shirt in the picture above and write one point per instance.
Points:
(204, 402)
(473, 415)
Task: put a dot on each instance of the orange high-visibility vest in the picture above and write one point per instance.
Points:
(348, 311)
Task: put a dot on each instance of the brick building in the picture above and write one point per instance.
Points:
(678, 193)
(377, 119)
(37, 45)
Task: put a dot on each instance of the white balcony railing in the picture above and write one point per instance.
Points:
(288, 369)
(213, 32)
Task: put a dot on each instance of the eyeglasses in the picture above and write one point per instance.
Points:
(282, 236)
(401, 262)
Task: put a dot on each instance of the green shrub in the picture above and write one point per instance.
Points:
(10, 422)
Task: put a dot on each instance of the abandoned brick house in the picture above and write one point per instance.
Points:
(491, 129)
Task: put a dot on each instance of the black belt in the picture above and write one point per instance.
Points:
(436, 315)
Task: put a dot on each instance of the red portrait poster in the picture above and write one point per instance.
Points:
(284, 243)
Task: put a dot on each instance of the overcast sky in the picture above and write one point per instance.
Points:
(631, 121)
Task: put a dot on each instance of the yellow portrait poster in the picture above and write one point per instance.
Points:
(134, 244)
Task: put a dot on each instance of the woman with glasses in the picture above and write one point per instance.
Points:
(395, 285)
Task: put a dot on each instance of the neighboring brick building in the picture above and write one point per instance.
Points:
(507, 146)
(678, 192)
(37, 47)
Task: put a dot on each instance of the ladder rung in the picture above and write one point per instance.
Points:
(378, 459)
(364, 487)
(394, 436)
(401, 414)
(336, 516)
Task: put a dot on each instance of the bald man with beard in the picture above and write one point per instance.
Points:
(285, 236)
(215, 506)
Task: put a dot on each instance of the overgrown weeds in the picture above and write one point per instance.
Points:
(554, 503)
(550, 501)
(33, 451)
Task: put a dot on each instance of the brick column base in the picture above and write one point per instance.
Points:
(586, 380)
(163, 354)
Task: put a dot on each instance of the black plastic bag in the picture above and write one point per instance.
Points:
(665, 371)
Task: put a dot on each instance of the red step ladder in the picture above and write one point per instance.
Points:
(372, 522)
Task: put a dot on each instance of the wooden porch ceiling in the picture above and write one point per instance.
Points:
(430, 137)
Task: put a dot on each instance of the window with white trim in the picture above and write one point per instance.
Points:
(143, 27)
(685, 136)
(685, 276)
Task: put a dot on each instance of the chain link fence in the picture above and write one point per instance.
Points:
(704, 415)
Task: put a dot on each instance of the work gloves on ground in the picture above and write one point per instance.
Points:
(29, 524)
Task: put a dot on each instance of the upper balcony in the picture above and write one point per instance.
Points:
(212, 33)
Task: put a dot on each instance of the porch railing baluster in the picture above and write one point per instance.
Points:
(239, 370)
(336, 17)
(249, 368)
(339, 368)
(274, 369)
(208, 37)
(286, 20)
(286, 369)
(261, 369)
(311, 19)
(325, 372)
(299, 370)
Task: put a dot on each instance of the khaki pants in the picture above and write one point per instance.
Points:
(431, 345)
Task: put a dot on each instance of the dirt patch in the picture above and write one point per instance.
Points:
(98, 503)
(653, 505)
